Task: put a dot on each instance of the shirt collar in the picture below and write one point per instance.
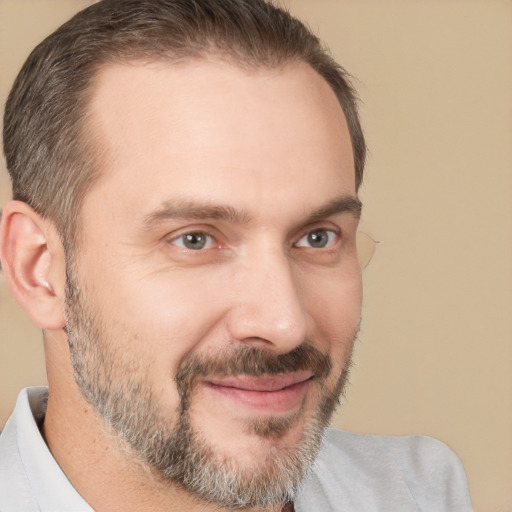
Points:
(50, 487)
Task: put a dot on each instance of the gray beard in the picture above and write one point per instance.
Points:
(119, 392)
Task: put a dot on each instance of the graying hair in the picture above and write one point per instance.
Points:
(52, 156)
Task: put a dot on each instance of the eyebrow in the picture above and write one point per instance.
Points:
(188, 209)
(344, 204)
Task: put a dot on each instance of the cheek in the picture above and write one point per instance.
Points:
(335, 308)
(151, 325)
(166, 315)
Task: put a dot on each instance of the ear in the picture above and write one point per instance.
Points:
(33, 262)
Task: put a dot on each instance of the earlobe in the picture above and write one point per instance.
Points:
(33, 263)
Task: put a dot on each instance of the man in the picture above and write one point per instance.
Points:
(183, 229)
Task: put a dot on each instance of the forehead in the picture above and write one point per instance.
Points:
(211, 129)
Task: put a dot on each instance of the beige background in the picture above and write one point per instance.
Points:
(435, 355)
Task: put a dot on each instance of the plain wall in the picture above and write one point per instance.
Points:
(435, 350)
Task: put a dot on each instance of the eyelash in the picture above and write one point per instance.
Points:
(332, 237)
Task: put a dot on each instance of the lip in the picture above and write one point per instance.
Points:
(270, 394)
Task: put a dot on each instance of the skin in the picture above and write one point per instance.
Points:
(272, 148)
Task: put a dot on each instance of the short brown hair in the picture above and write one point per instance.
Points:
(51, 156)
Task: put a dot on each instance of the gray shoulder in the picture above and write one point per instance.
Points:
(366, 472)
(416, 455)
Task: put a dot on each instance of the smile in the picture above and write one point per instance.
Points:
(269, 394)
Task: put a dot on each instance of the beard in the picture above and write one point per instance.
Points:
(121, 393)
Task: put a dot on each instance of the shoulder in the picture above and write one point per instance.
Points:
(366, 472)
(412, 455)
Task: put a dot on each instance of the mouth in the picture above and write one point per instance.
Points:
(268, 394)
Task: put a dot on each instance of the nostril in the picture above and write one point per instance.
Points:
(257, 343)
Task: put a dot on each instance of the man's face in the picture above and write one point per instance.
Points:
(215, 297)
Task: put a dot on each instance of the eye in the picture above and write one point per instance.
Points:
(318, 239)
(194, 241)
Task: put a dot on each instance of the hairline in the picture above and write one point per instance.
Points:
(96, 151)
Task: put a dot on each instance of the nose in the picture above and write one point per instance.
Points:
(267, 309)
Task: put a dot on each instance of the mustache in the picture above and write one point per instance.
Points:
(251, 361)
